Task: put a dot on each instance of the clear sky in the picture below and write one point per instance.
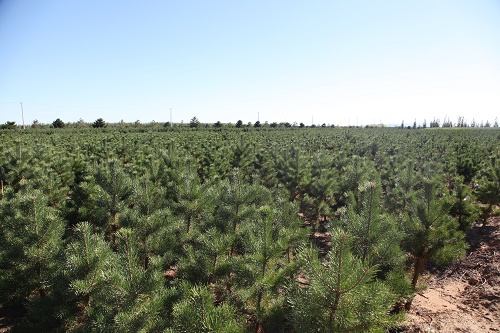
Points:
(329, 61)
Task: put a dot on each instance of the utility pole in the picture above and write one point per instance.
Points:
(170, 117)
(22, 114)
(258, 116)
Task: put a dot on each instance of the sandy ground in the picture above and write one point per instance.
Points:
(466, 297)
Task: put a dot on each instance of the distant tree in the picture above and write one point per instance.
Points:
(167, 124)
(274, 124)
(424, 125)
(35, 124)
(487, 124)
(496, 122)
(257, 124)
(218, 124)
(239, 124)
(402, 124)
(137, 123)
(99, 123)
(9, 125)
(415, 124)
(323, 125)
(194, 122)
(80, 123)
(58, 123)
(301, 125)
(287, 125)
(447, 123)
(435, 123)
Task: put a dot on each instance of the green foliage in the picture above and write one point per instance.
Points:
(375, 237)
(198, 312)
(341, 294)
(488, 188)
(9, 125)
(58, 123)
(320, 189)
(191, 198)
(30, 244)
(264, 269)
(99, 123)
(430, 232)
(463, 210)
(143, 229)
(113, 192)
(194, 122)
(406, 182)
(291, 170)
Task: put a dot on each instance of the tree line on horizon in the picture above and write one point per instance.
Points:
(195, 123)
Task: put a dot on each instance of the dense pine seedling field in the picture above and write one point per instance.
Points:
(234, 230)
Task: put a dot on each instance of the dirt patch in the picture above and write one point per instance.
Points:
(466, 297)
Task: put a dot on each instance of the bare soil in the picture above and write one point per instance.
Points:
(466, 297)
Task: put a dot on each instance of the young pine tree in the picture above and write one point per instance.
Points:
(91, 300)
(30, 244)
(375, 238)
(320, 190)
(31, 257)
(341, 294)
(198, 312)
(262, 271)
(488, 188)
(114, 190)
(464, 210)
(430, 233)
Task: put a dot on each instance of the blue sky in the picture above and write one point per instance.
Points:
(334, 62)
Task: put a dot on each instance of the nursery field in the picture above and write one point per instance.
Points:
(234, 229)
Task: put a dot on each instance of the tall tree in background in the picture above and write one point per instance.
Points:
(194, 122)
(58, 123)
(99, 123)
